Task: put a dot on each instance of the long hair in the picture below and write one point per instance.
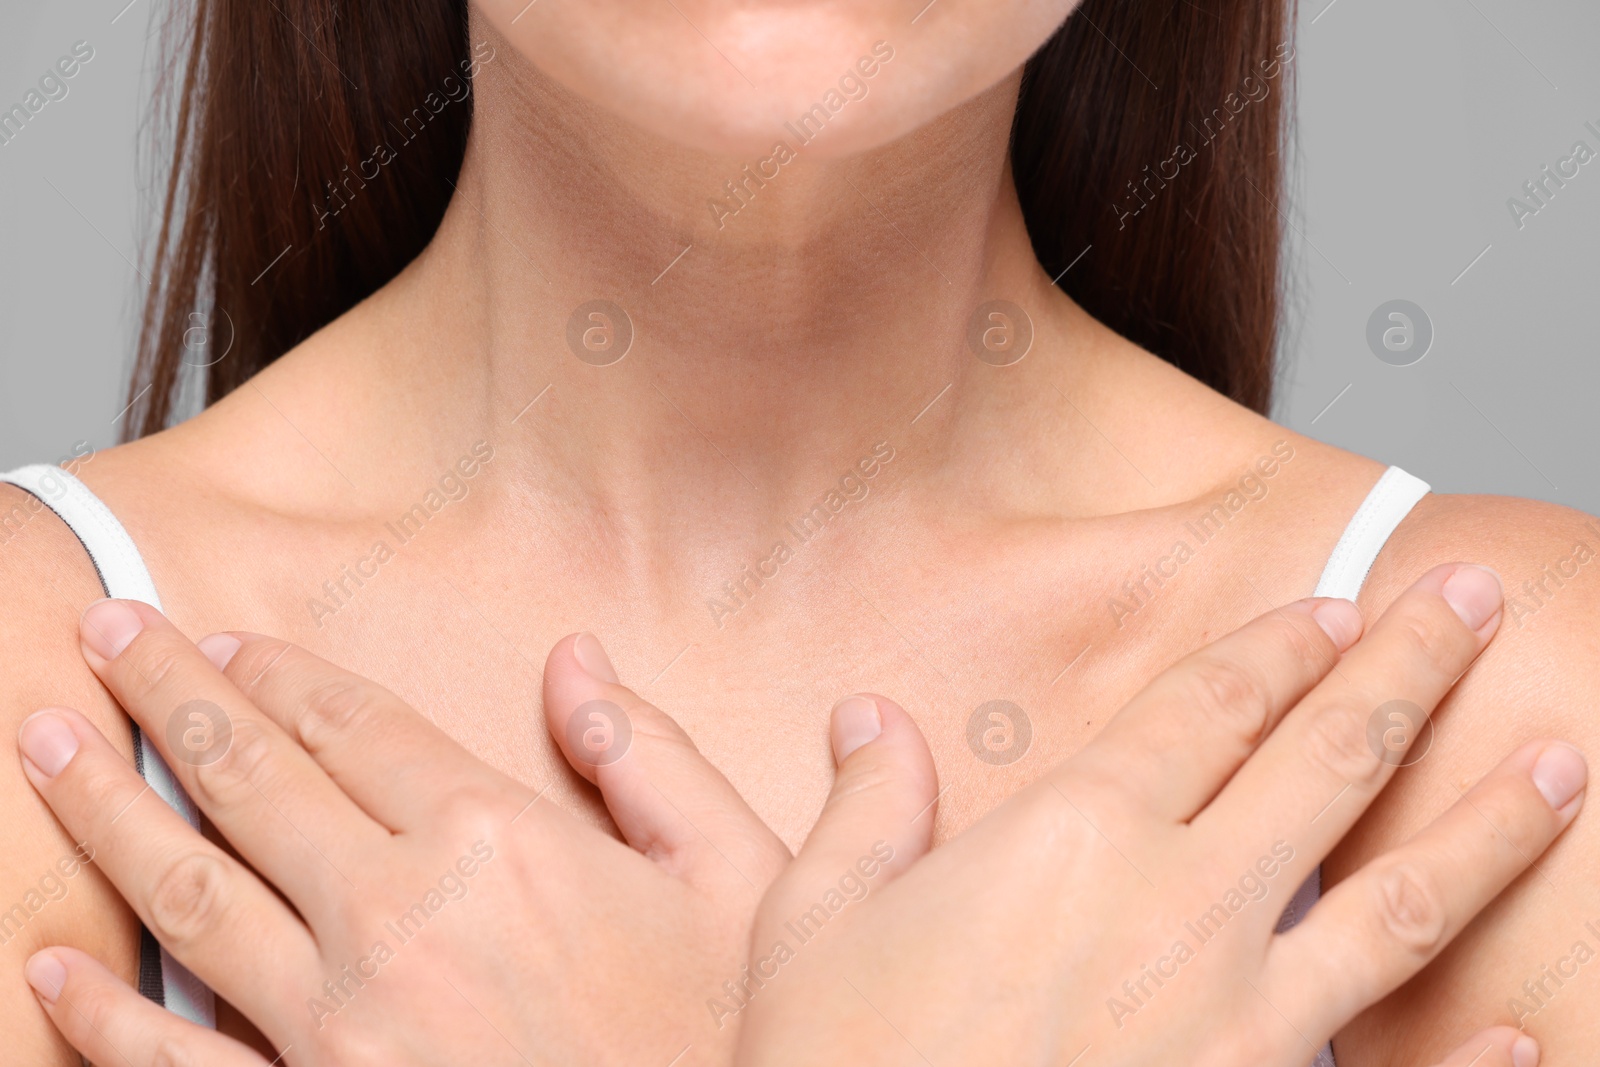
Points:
(1148, 142)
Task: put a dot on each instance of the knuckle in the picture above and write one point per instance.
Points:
(1411, 909)
(99, 791)
(660, 733)
(97, 1003)
(1230, 694)
(1435, 639)
(1247, 1041)
(1336, 741)
(866, 780)
(244, 763)
(172, 1051)
(158, 662)
(643, 716)
(187, 898)
(256, 660)
(1310, 649)
(1515, 808)
(472, 812)
(334, 708)
(1058, 817)
(359, 1047)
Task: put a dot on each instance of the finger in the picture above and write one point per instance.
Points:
(391, 761)
(264, 793)
(878, 819)
(667, 799)
(1318, 772)
(1383, 924)
(204, 907)
(105, 1020)
(1500, 1046)
(1172, 747)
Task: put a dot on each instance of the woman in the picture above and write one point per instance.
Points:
(777, 425)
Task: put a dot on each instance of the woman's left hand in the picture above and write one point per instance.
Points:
(416, 882)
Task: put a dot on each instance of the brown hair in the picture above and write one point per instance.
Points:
(1149, 132)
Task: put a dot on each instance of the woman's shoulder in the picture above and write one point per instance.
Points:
(1543, 668)
(49, 893)
(48, 576)
(1545, 554)
(1539, 678)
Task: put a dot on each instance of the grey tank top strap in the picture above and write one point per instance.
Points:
(123, 575)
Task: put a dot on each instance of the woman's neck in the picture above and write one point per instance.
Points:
(774, 347)
(777, 329)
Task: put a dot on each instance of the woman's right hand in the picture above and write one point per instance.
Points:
(405, 904)
(1121, 910)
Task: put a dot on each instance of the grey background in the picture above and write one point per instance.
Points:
(1417, 122)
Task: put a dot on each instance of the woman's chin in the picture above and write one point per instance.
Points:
(826, 80)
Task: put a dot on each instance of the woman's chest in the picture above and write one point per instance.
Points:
(1009, 642)
(1006, 669)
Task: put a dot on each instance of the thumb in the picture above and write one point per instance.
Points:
(877, 821)
(1500, 1046)
(668, 800)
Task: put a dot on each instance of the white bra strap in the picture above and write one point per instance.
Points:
(122, 570)
(124, 576)
(1390, 501)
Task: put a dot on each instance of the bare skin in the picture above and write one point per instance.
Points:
(769, 360)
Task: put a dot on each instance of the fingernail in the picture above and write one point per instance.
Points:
(108, 626)
(1525, 1052)
(855, 722)
(1560, 775)
(591, 655)
(47, 975)
(48, 742)
(219, 649)
(1474, 594)
(1340, 620)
